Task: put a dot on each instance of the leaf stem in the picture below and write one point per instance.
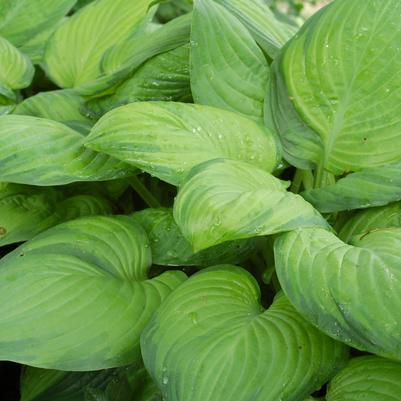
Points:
(143, 192)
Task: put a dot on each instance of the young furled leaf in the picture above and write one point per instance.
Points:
(212, 340)
(223, 200)
(367, 378)
(37, 151)
(168, 139)
(351, 289)
(228, 69)
(78, 296)
(336, 89)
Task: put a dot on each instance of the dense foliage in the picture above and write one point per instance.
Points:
(200, 201)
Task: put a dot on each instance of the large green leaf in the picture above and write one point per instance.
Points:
(224, 200)
(26, 211)
(82, 40)
(77, 296)
(212, 340)
(21, 20)
(371, 219)
(367, 378)
(16, 70)
(352, 290)
(163, 77)
(169, 247)
(168, 139)
(61, 105)
(228, 69)
(270, 33)
(36, 151)
(371, 187)
(337, 86)
(128, 383)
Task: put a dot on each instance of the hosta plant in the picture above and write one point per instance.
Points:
(200, 200)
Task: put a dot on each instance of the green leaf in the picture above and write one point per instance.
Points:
(223, 200)
(36, 151)
(352, 289)
(61, 105)
(21, 20)
(228, 69)
(163, 77)
(168, 139)
(130, 383)
(26, 211)
(82, 40)
(169, 247)
(336, 92)
(371, 187)
(211, 340)
(35, 47)
(78, 296)
(367, 378)
(270, 33)
(371, 219)
(16, 70)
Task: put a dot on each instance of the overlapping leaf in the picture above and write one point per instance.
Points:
(211, 340)
(120, 384)
(62, 105)
(169, 247)
(367, 378)
(223, 200)
(371, 187)
(270, 33)
(77, 296)
(21, 20)
(231, 72)
(168, 139)
(37, 151)
(26, 211)
(335, 95)
(82, 41)
(164, 77)
(351, 289)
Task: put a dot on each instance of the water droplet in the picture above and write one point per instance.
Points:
(165, 380)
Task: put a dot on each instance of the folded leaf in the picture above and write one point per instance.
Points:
(78, 296)
(168, 139)
(371, 219)
(211, 340)
(62, 105)
(163, 77)
(337, 92)
(228, 69)
(224, 200)
(36, 151)
(270, 33)
(20, 20)
(169, 247)
(367, 378)
(371, 187)
(16, 70)
(352, 290)
(82, 40)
